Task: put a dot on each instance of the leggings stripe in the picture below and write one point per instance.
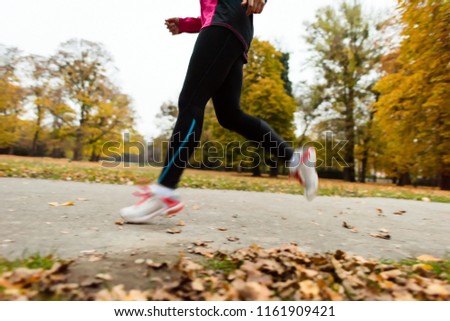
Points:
(186, 139)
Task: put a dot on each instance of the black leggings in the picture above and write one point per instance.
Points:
(215, 71)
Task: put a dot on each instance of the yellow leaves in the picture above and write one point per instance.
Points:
(414, 94)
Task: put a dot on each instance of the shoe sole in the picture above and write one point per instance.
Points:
(164, 211)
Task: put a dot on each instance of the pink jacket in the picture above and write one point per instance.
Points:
(225, 13)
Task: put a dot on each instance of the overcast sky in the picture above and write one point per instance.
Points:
(151, 62)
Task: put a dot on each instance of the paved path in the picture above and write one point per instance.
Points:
(29, 225)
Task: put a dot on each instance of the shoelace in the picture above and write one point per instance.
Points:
(145, 194)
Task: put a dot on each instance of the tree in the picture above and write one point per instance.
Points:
(113, 117)
(267, 93)
(309, 102)
(41, 90)
(344, 54)
(101, 108)
(166, 118)
(12, 96)
(61, 126)
(413, 109)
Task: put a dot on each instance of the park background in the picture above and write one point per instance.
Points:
(374, 75)
(376, 79)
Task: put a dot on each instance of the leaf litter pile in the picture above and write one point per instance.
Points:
(254, 273)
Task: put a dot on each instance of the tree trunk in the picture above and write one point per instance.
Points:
(404, 179)
(79, 136)
(362, 176)
(34, 145)
(445, 182)
(349, 148)
(273, 172)
(93, 155)
(366, 140)
(256, 170)
(78, 149)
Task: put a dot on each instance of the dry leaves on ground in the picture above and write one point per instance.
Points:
(254, 273)
(173, 230)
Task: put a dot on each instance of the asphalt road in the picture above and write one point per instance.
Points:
(228, 220)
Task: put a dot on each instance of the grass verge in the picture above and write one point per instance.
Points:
(46, 168)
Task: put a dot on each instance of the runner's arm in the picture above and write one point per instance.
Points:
(189, 25)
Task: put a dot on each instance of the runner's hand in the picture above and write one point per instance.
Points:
(253, 6)
(173, 25)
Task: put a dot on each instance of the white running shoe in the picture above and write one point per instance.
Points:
(303, 168)
(151, 206)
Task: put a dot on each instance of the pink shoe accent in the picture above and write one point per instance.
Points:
(172, 204)
(305, 156)
(145, 194)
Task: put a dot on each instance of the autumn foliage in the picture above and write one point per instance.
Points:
(388, 98)
(413, 111)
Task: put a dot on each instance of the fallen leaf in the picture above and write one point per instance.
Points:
(119, 222)
(436, 289)
(87, 252)
(154, 265)
(56, 204)
(232, 238)
(344, 224)
(422, 267)
(428, 258)
(197, 285)
(309, 289)
(204, 252)
(104, 276)
(222, 229)
(181, 223)
(252, 291)
(90, 282)
(391, 274)
(380, 211)
(381, 236)
(399, 212)
(200, 243)
(95, 258)
(173, 230)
